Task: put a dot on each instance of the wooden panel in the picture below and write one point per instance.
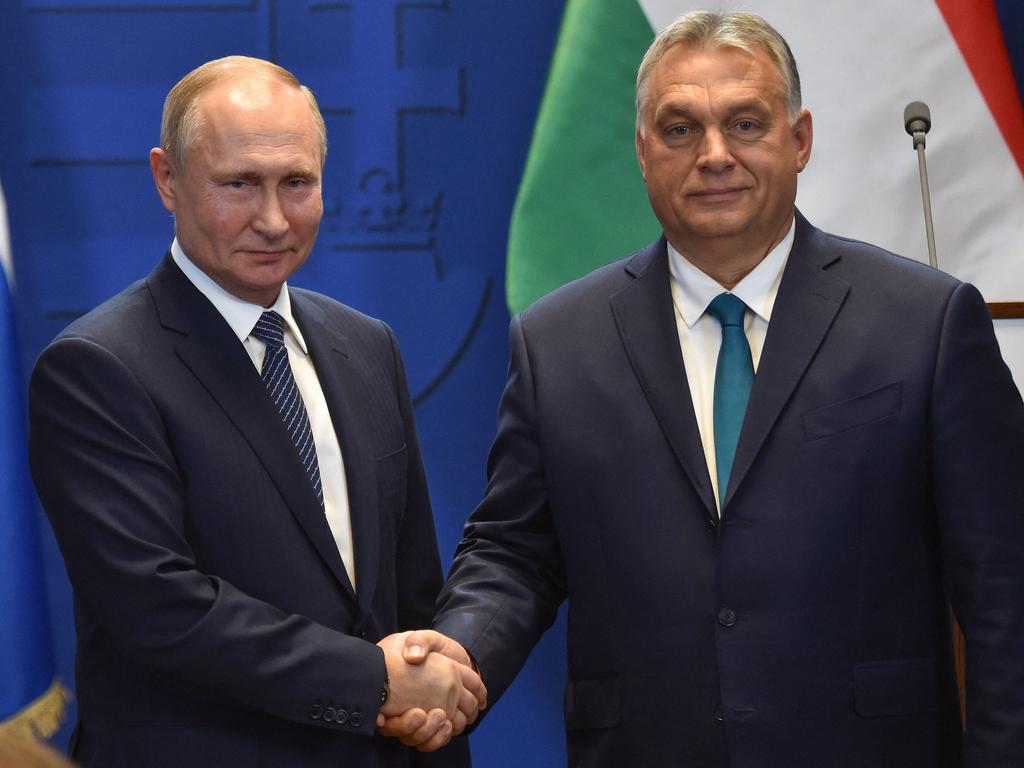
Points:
(1003, 310)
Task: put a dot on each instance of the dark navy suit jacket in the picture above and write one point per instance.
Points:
(216, 625)
(876, 481)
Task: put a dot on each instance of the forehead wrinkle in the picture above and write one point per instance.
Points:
(291, 159)
(238, 129)
(710, 102)
(695, 91)
(255, 141)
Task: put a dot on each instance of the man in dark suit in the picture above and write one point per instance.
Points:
(759, 567)
(231, 469)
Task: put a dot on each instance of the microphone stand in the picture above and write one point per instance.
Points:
(917, 121)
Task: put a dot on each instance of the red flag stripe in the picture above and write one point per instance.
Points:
(975, 27)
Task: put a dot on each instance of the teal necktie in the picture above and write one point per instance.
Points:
(734, 376)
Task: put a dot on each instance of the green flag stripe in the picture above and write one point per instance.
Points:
(582, 202)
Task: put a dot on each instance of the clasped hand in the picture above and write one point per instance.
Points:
(435, 693)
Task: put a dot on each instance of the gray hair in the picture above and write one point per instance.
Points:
(181, 122)
(705, 29)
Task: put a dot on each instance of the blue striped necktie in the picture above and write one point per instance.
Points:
(278, 378)
(734, 376)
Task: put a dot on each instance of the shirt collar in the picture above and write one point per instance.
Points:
(757, 290)
(240, 315)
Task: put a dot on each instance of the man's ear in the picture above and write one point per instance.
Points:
(163, 176)
(641, 153)
(803, 137)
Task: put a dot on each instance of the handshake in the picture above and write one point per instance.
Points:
(434, 691)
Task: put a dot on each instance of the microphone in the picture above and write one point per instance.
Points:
(917, 120)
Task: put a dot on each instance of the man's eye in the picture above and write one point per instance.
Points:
(236, 184)
(745, 126)
(680, 130)
(296, 183)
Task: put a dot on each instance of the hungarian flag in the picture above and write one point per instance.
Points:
(582, 202)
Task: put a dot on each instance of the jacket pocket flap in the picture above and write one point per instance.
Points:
(855, 412)
(593, 703)
(391, 466)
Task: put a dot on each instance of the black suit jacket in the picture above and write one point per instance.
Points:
(215, 622)
(877, 479)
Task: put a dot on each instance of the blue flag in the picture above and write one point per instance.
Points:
(31, 698)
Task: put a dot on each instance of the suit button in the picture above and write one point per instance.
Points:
(329, 715)
(726, 617)
(355, 719)
(315, 712)
(341, 717)
(719, 714)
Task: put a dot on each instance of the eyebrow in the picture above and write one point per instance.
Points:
(249, 176)
(255, 176)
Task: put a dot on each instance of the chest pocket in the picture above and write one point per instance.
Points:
(853, 413)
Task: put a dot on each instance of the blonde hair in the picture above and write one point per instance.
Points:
(181, 122)
(704, 30)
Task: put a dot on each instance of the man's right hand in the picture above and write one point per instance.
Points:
(428, 670)
(420, 643)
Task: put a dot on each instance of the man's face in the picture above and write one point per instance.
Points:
(718, 151)
(246, 199)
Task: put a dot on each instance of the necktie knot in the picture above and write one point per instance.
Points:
(727, 309)
(270, 329)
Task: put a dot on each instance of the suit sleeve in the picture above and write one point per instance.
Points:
(108, 480)
(978, 447)
(417, 563)
(418, 577)
(508, 576)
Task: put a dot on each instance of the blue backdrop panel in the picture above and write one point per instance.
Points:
(429, 105)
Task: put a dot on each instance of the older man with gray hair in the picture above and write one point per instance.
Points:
(231, 469)
(760, 461)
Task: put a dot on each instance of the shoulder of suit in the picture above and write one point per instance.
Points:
(327, 304)
(348, 318)
(858, 258)
(123, 315)
(596, 287)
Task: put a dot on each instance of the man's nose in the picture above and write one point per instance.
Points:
(270, 220)
(714, 152)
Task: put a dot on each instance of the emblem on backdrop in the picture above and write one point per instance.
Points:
(383, 196)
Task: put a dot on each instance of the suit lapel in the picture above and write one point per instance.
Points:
(645, 319)
(336, 368)
(212, 352)
(807, 303)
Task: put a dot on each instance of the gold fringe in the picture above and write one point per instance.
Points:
(43, 716)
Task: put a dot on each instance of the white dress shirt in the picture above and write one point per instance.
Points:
(242, 316)
(700, 335)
